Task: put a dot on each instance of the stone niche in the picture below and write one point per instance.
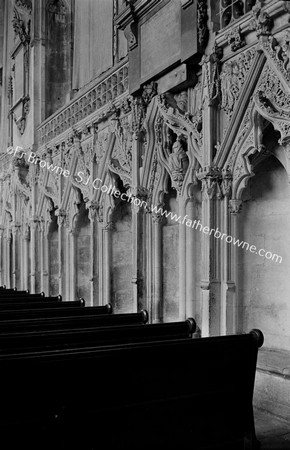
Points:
(170, 263)
(263, 285)
(121, 270)
(161, 36)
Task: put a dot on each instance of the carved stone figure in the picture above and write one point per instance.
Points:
(178, 162)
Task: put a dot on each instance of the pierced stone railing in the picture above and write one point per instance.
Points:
(84, 106)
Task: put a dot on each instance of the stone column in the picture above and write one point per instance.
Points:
(101, 263)
(93, 216)
(227, 283)
(157, 264)
(191, 262)
(1, 256)
(137, 213)
(44, 262)
(16, 255)
(107, 241)
(148, 229)
(71, 281)
(232, 294)
(26, 239)
(33, 253)
(137, 250)
(182, 262)
(8, 259)
(62, 236)
(209, 309)
(209, 176)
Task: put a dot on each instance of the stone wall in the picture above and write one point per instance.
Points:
(121, 271)
(264, 285)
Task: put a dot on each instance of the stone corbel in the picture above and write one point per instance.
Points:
(62, 218)
(235, 39)
(226, 182)
(261, 21)
(131, 34)
(95, 212)
(131, 30)
(210, 178)
(235, 206)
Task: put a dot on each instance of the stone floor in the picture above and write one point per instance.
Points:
(273, 433)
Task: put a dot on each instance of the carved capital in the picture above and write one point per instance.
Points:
(226, 182)
(235, 38)
(34, 223)
(149, 91)
(20, 28)
(235, 206)
(95, 212)
(157, 218)
(109, 226)
(210, 176)
(26, 233)
(261, 21)
(62, 219)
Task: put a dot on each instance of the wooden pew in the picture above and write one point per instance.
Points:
(79, 338)
(20, 304)
(55, 312)
(12, 291)
(178, 394)
(66, 323)
(29, 298)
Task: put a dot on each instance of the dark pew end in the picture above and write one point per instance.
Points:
(59, 298)
(258, 336)
(191, 323)
(145, 315)
(83, 302)
(110, 308)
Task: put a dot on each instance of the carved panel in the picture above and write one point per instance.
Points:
(233, 77)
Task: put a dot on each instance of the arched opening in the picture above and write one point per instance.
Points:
(83, 250)
(263, 281)
(170, 260)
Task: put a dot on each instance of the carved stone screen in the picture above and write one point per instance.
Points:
(160, 40)
(19, 76)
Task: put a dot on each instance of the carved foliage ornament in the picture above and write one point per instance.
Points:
(279, 53)
(232, 79)
(261, 21)
(202, 27)
(21, 122)
(273, 103)
(235, 38)
(183, 124)
(121, 161)
(216, 183)
(26, 5)
(20, 28)
(212, 69)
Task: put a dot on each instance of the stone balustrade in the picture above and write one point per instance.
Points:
(97, 97)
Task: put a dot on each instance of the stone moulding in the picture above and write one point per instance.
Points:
(97, 97)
